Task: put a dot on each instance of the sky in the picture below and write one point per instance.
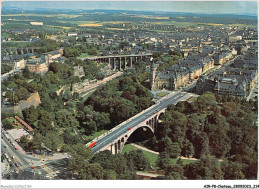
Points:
(208, 7)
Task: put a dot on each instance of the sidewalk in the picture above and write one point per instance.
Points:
(143, 148)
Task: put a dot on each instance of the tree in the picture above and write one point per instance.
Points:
(36, 143)
(91, 120)
(164, 144)
(118, 163)
(7, 125)
(96, 171)
(70, 138)
(53, 140)
(187, 149)
(206, 101)
(205, 169)
(232, 170)
(30, 115)
(66, 119)
(45, 122)
(157, 54)
(174, 172)
(79, 163)
(139, 160)
(174, 150)
(24, 141)
(5, 69)
(109, 174)
(163, 161)
(72, 51)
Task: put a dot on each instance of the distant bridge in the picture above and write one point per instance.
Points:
(119, 62)
(17, 51)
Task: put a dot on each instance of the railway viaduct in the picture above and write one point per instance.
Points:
(120, 62)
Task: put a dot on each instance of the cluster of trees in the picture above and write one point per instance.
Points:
(169, 60)
(223, 128)
(7, 124)
(74, 51)
(121, 98)
(104, 165)
(46, 45)
(19, 88)
(5, 68)
(91, 69)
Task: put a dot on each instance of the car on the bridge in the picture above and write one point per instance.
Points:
(93, 144)
(129, 128)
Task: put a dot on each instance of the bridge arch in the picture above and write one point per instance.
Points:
(118, 145)
(160, 115)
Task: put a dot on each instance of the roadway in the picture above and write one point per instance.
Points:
(91, 87)
(118, 131)
(19, 160)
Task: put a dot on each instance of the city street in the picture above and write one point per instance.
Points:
(19, 160)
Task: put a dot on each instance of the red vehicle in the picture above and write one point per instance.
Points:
(196, 77)
(93, 144)
(154, 113)
(34, 167)
(129, 128)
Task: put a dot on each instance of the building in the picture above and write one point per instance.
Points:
(70, 34)
(52, 56)
(78, 71)
(180, 74)
(37, 65)
(225, 86)
(36, 23)
(236, 80)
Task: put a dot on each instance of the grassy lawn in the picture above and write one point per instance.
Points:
(84, 55)
(96, 134)
(161, 94)
(11, 120)
(184, 161)
(150, 156)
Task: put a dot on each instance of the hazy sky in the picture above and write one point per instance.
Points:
(233, 7)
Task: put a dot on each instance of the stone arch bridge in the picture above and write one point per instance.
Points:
(151, 123)
(115, 139)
